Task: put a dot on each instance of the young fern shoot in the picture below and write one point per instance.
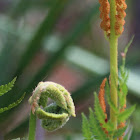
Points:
(52, 116)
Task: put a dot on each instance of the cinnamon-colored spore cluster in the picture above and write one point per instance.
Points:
(104, 15)
(120, 8)
(102, 94)
(120, 15)
(102, 100)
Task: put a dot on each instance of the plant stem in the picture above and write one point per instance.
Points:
(113, 78)
(32, 126)
(113, 61)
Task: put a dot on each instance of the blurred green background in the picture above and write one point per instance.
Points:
(61, 41)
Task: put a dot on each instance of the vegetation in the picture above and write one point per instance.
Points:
(4, 89)
(49, 40)
(99, 126)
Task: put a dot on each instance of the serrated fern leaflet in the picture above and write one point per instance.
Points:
(4, 89)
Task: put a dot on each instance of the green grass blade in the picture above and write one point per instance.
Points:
(20, 8)
(75, 33)
(45, 28)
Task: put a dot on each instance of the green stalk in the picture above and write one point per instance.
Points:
(113, 62)
(32, 126)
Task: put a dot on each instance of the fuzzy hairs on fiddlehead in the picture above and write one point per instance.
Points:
(55, 115)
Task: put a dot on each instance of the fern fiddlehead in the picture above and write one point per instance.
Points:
(55, 115)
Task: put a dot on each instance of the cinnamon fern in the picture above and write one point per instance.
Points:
(99, 126)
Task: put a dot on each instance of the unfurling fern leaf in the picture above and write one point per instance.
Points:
(86, 128)
(5, 88)
(55, 115)
(12, 105)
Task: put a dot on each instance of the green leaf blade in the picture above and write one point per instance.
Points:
(96, 129)
(7, 87)
(12, 105)
(98, 110)
(126, 114)
(109, 101)
(119, 132)
(86, 128)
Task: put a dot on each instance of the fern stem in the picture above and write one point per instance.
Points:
(32, 126)
(113, 61)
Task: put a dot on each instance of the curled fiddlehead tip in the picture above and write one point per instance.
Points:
(55, 115)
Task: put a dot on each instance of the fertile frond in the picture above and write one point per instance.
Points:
(101, 95)
(5, 88)
(119, 132)
(86, 128)
(12, 105)
(126, 114)
(96, 129)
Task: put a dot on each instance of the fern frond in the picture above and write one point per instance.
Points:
(128, 45)
(109, 101)
(126, 50)
(86, 128)
(12, 105)
(124, 89)
(100, 115)
(109, 125)
(98, 110)
(126, 76)
(126, 114)
(96, 129)
(119, 132)
(7, 87)
(122, 98)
